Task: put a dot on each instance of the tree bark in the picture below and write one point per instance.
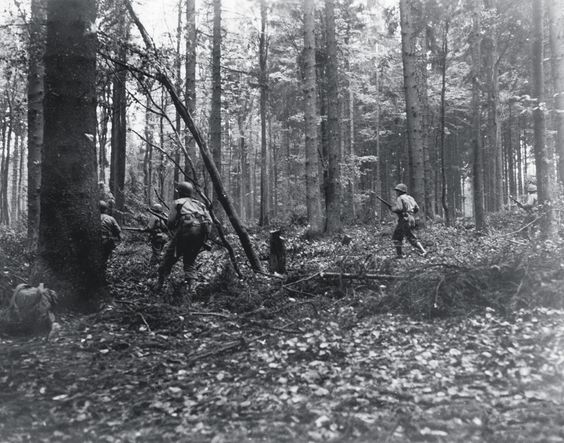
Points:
(35, 94)
(333, 189)
(215, 115)
(413, 108)
(478, 166)
(544, 153)
(190, 89)
(313, 193)
(557, 65)
(70, 259)
(264, 216)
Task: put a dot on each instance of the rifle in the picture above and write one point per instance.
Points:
(158, 214)
(516, 201)
(127, 228)
(384, 201)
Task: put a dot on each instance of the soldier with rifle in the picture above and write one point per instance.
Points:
(405, 207)
(190, 224)
(111, 232)
(530, 208)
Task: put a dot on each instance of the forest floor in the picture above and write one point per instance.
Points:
(378, 358)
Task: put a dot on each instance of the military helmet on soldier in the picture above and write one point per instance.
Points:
(400, 187)
(103, 206)
(185, 189)
(531, 188)
(157, 208)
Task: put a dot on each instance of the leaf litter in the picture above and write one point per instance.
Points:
(301, 359)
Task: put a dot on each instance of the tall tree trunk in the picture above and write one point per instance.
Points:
(444, 164)
(215, 116)
(70, 259)
(333, 188)
(544, 153)
(35, 93)
(4, 207)
(190, 89)
(264, 219)
(119, 123)
(478, 167)
(413, 109)
(15, 170)
(557, 65)
(178, 86)
(313, 194)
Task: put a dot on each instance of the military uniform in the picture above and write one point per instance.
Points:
(530, 207)
(190, 223)
(405, 207)
(158, 236)
(111, 233)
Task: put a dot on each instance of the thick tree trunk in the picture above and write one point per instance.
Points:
(313, 194)
(333, 189)
(557, 65)
(190, 89)
(119, 123)
(70, 259)
(178, 85)
(413, 108)
(215, 115)
(444, 163)
(35, 93)
(544, 153)
(264, 219)
(478, 166)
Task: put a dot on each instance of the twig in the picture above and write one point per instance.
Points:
(353, 276)
(211, 314)
(145, 321)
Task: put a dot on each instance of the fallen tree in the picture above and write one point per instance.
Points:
(211, 167)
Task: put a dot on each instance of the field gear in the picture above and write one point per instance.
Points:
(185, 189)
(30, 309)
(111, 235)
(103, 206)
(158, 235)
(406, 207)
(531, 188)
(190, 224)
(400, 187)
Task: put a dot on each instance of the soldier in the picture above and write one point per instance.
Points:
(189, 223)
(405, 207)
(157, 233)
(111, 232)
(106, 195)
(530, 207)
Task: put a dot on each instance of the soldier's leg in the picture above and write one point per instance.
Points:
(397, 239)
(414, 241)
(168, 261)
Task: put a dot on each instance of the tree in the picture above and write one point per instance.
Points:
(333, 184)
(544, 152)
(263, 82)
(35, 93)
(69, 258)
(557, 65)
(119, 121)
(478, 165)
(313, 200)
(215, 115)
(412, 103)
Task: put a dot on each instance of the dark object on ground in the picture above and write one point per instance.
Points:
(277, 258)
(30, 311)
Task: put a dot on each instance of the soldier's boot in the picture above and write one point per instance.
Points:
(158, 286)
(421, 249)
(399, 252)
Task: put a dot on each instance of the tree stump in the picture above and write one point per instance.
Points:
(277, 259)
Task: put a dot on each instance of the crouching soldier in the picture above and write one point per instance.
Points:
(111, 232)
(30, 310)
(157, 233)
(405, 207)
(189, 223)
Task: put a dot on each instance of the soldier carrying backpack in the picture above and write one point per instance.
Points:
(190, 224)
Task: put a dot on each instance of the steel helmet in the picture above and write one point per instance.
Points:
(400, 187)
(185, 189)
(531, 188)
(157, 207)
(103, 206)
